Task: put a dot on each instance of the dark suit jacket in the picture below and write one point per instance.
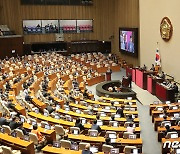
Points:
(96, 127)
(3, 121)
(14, 125)
(120, 112)
(79, 125)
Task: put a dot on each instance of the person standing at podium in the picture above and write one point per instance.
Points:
(130, 80)
(108, 74)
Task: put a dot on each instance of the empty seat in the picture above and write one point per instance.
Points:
(128, 149)
(20, 133)
(33, 137)
(106, 148)
(92, 133)
(66, 144)
(82, 145)
(7, 129)
(126, 135)
(8, 150)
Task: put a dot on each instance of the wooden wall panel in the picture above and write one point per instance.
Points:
(102, 12)
(126, 15)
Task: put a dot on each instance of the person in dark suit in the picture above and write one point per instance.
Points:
(79, 124)
(3, 120)
(95, 126)
(130, 80)
(50, 109)
(13, 124)
(23, 129)
(152, 68)
(120, 111)
(108, 141)
(86, 150)
(175, 87)
(129, 118)
(168, 129)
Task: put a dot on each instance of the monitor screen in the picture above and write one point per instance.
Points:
(56, 144)
(159, 108)
(2, 130)
(93, 149)
(167, 123)
(74, 147)
(161, 115)
(117, 116)
(34, 123)
(115, 124)
(26, 137)
(112, 136)
(99, 122)
(75, 132)
(83, 121)
(177, 151)
(135, 151)
(22, 120)
(174, 135)
(176, 115)
(14, 134)
(47, 127)
(94, 134)
(128, 41)
(175, 107)
(114, 151)
(132, 136)
(46, 114)
(113, 140)
(56, 117)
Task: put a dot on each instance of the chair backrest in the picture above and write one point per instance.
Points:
(92, 133)
(82, 145)
(126, 124)
(128, 149)
(33, 137)
(164, 123)
(106, 148)
(126, 135)
(46, 112)
(43, 123)
(23, 117)
(59, 130)
(111, 132)
(6, 150)
(7, 129)
(114, 123)
(66, 144)
(74, 130)
(20, 133)
(32, 121)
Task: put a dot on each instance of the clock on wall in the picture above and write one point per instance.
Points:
(166, 29)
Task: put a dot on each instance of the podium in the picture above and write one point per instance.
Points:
(108, 76)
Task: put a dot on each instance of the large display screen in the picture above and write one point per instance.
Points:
(57, 26)
(128, 41)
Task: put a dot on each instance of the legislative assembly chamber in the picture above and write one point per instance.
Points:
(89, 77)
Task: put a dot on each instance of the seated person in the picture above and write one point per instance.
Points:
(3, 120)
(162, 75)
(152, 68)
(108, 141)
(13, 124)
(120, 111)
(168, 129)
(38, 133)
(130, 128)
(85, 94)
(79, 124)
(86, 150)
(50, 109)
(129, 118)
(144, 67)
(175, 87)
(95, 126)
(23, 129)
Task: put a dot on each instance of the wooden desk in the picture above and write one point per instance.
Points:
(68, 124)
(50, 134)
(155, 114)
(16, 143)
(157, 121)
(161, 131)
(92, 117)
(108, 104)
(52, 150)
(153, 106)
(18, 107)
(38, 103)
(118, 100)
(95, 80)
